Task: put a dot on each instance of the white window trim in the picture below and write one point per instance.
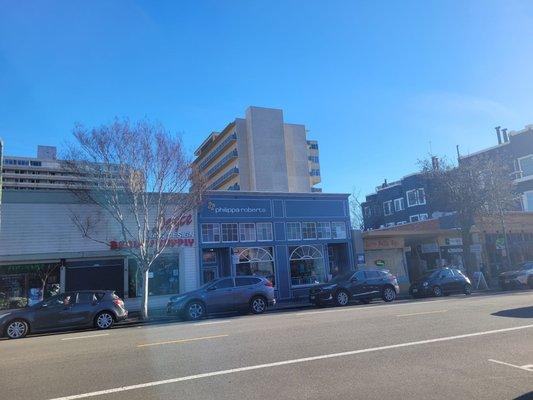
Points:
(519, 159)
(401, 222)
(407, 196)
(401, 201)
(329, 228)
(222, 234)
(345, 230)
(525, 202)
(271, 232)
(254, 230)
(302, 231)
(411, 218)
(423, 219)
(219, 232)
(418, 203)
(287, 231)
(389, 202)
(418, 197)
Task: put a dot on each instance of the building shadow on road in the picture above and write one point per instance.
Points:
(523, 312)
(527, 396)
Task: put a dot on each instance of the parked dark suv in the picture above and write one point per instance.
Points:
(441, 282)
(363, 285)
(242, 293)
(79, 309)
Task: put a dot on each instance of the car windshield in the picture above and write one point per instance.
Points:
(342, 277)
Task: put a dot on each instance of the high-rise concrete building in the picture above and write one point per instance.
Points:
(42, 172)
(260, 153)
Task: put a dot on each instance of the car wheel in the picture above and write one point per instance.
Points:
(467, 289)
(17, 329)
(437, 291)
(342, 298)
(389, 294)
(104, 320)
(258, 305)
(195, 310)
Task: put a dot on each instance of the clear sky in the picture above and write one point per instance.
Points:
(374, 82)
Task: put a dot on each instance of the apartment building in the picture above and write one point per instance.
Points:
(397, 203)
(260, 153)
(516, 149)
(44, 171)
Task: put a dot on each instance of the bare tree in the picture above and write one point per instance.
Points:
(356, 211)
(475, 189)
(44, 274)
(140, 176)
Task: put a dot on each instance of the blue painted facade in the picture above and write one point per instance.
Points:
(291, 277)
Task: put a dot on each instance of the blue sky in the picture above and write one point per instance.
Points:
(374, 82)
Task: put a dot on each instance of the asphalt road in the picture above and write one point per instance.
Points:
(478, 347)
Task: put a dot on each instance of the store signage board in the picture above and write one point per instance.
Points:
(241, 208)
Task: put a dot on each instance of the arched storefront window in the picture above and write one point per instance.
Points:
(256, 261)
(307, 265)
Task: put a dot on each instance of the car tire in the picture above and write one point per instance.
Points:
(258, 305)
(195, 310)
(467, 290)
(104, 320)
(437, 291)
(17, 329)
(388, 294)
(342, 298)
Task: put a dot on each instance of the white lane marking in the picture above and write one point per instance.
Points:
(86, 337)
(209, 323)
(286, 362)
(422, 313)
(528, 368)
(376, 307)
(182, 340)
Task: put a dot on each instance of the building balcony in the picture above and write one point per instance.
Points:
(216, 152)
(224, 178)
(222, 163)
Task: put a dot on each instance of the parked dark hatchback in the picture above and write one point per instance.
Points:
(79, 309)
(440, 282)
(363, 285)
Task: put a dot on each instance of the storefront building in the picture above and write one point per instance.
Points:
(294, 240)
(411, 250)
(43, 252)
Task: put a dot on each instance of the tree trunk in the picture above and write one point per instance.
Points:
(144, 301)
(467, 255)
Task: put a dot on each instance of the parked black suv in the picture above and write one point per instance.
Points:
(363, 285)
(441, 282)
(79, 309)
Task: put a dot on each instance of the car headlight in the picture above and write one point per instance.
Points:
(425, 284)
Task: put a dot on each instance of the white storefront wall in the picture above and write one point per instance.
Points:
(44, 231)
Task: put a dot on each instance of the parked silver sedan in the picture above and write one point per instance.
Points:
(242, 293)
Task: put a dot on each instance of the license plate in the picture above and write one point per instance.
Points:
(415, 290)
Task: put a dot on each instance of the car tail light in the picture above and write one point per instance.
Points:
(268, 283)
(118, 301)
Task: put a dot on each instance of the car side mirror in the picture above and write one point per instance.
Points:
(210, 288)
(44, 305)
(353, 280)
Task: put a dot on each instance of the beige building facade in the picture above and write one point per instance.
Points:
(260, 153)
